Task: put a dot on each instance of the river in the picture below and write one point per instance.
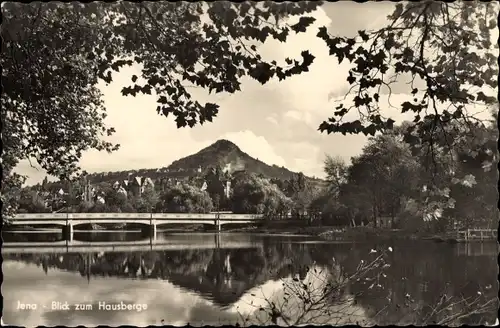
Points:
(202, 279)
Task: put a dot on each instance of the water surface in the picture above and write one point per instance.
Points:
(232, 278)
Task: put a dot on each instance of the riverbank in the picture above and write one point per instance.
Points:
(357, 234)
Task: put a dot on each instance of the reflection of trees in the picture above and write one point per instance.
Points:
(416, 279)
(221, 274)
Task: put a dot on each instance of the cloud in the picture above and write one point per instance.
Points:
(272, 119)
(255, 146)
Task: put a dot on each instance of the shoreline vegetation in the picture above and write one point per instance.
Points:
(326, 233)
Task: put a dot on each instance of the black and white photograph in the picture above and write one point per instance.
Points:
(249, 163)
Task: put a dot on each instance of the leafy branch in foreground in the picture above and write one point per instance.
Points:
(446, 47)
(212, 46)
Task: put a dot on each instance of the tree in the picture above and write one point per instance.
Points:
(215, 187)
(252, 194)
(328, 201)
(396, 171)
(51, 107)
(476, 199)
(450, 169)
(336, 173)
(54, 54)
(116, 201)
(31, 202)
(184, 198)
(380, 176)
(147, 201)
(45, 182)
(301, 192)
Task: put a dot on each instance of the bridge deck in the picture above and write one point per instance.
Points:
(143, 216)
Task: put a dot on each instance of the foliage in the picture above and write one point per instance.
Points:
(214, 55)
(252, 194)
(399, 175)
(53, 55)
(384, 172)
(32, 202)
(184, 198)
(147, 201)
(336, 173)
(445, 46)
(302, 192)
(216, 180)
(51, 108)
(116, 201)
(11, 189)
(85, 207)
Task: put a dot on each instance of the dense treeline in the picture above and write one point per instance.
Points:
(249, 193)
(450, 183)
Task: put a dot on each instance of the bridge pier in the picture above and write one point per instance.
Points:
(217, 225)
(67, 232)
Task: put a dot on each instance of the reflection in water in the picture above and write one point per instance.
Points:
(250, 284)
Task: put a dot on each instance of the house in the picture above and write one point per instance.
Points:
(100, 199)
(122, 191)
(137, 185)
(227, 168)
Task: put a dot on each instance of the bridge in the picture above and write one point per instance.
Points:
(150, 220)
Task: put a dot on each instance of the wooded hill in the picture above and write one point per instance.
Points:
(222, 153)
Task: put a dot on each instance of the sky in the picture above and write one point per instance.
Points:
(276, 123)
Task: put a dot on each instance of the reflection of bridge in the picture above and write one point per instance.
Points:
(150, 220)
(143, 245)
